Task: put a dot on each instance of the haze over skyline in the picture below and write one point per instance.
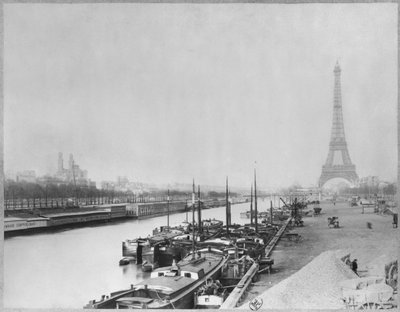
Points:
(165, 93)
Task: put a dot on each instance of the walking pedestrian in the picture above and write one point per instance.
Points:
(354, 266)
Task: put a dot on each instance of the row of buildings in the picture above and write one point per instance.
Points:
(122, 184)
(72, 174)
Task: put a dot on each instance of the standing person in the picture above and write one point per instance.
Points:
(354, 266)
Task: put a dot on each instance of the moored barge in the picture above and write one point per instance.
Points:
(169, 287)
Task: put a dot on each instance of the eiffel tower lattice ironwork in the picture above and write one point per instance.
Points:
(338, 164)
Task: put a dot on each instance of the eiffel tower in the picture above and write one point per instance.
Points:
(338, 164)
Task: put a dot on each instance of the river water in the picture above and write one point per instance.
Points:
(66, 269)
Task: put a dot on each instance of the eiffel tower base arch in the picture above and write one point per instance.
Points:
(338, 172)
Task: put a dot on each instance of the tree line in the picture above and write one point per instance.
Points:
(20, 190)
(25, 190)
(389, 189)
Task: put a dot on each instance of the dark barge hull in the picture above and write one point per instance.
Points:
(182, 298)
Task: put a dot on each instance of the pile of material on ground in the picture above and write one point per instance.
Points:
(315, 286)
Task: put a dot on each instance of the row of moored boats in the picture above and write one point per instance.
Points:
(194, 265)
(187, 273)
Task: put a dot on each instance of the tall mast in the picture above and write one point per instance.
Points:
(226, 209)
(270, 211)
(255, 200)
(193, 231)
(168, 210)
(186, 209)
(251, 204)
(199, 211)
(229, 208)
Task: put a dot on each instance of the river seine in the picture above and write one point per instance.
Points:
(66, 269)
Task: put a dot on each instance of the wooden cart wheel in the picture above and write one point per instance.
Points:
(370, 306)
(392, 276)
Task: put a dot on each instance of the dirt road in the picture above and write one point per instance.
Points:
(364, 241)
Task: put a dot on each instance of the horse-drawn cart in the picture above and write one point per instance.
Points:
(317, 210)
(367, 293)
(333, 222)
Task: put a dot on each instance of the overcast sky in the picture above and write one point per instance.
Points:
(171, 92)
